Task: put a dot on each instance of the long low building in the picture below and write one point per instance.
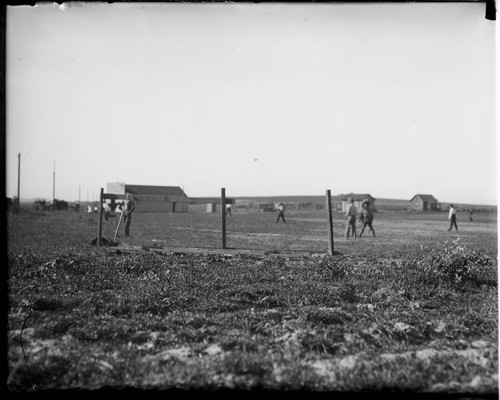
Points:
(151, 198)
(212, 204)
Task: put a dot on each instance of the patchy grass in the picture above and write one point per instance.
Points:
(413, 311)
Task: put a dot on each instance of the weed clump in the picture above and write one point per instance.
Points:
(460, 264)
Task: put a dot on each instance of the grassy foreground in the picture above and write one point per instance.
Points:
(382, 314)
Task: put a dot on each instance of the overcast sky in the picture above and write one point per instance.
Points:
(391, 99)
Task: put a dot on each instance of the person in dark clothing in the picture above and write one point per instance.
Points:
(281, 212)
(128, 209)
(367, 214)
(453, 218)
(350, 216)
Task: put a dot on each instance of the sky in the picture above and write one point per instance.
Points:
(262, 99)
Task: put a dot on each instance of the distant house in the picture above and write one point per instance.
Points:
(425, 202)
(211, 202)
(358, 200)
(152, 198)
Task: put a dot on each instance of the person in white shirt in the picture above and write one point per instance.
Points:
(281, 214)
(452, 216)
(350, 216)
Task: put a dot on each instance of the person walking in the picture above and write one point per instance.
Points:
(281, 212)
(228, 209)
(452, 217)
(350, 216)
(367, 214)
(128, 209)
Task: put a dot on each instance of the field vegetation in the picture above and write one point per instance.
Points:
(414, 309)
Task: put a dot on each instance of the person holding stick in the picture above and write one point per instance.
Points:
(128, 209)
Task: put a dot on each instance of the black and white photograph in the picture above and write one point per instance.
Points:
(252, 197)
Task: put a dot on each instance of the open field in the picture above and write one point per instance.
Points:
(413, 309)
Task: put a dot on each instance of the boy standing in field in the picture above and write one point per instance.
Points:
(367, 214)
(452, 216)
(350, 217)
(128, 209)
(281, 212)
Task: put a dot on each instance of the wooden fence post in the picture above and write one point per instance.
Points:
(330, 221)
(223, 213)
(99, 217)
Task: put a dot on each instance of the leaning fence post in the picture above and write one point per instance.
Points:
(99, 218)
(223, 213)
(330, 221)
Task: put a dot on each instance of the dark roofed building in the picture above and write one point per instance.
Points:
(152, 198)
(425, 202)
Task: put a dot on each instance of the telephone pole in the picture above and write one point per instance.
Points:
(18, 205)
(54, 183)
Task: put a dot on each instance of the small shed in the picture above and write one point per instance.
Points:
(358, 200)
(425, 202)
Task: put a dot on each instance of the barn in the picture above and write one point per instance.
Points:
(358, 200)
(152, 198)
(425, 202)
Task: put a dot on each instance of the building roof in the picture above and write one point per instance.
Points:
(155, 190)
(357, 196)
(425, 197)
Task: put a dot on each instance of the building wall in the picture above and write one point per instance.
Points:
(211, 207)
(418, 204)
(160, 206)
(435, 206)
(181, 207)
(422, 205)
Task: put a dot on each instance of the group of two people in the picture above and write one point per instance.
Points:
(351, 216)
(126, 207)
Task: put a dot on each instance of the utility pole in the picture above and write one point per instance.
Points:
(223, 213)
(54, 183)
(330, 222)
(16, 206)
